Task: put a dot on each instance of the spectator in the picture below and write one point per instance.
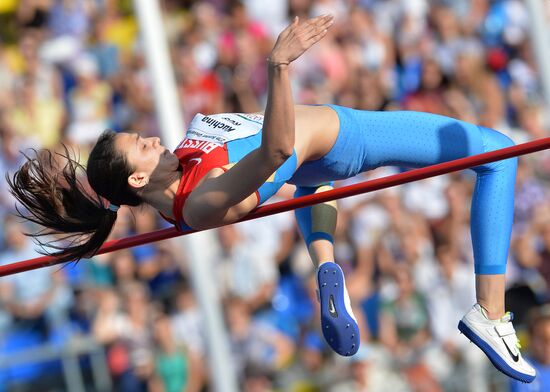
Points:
(128, 332)
(244, 270)
(37, 300)
(429, 96)
(174, 365)
(405, 332)
(450, 295)
(187, 321)
(255, 341)
(105, 52)
(370, 372)
(89, 102)
(70, 18)
(36, 119)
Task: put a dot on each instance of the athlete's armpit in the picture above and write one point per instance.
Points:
(200, 215)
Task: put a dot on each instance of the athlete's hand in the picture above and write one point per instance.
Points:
(299, 37)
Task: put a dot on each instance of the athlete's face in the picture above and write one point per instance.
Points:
(150, 160)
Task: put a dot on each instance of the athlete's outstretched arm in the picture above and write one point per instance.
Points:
(209, 203)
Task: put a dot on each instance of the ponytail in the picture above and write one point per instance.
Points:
(55, 198)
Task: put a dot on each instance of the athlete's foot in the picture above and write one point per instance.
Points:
(498, 340)
(339, 325)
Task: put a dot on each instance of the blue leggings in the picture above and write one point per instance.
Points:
(368, 140)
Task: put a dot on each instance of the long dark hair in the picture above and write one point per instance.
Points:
(55, 197)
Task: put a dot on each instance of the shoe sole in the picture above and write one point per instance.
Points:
(493, 356)
(339, 328)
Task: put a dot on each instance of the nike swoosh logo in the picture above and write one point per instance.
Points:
(515, 357)
(331, 308)
(199, 160)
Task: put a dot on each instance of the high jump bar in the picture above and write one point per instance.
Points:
(304, 201)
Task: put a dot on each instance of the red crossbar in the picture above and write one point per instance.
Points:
(304, 201)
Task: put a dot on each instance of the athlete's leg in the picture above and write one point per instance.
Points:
(317, 225)
(371, 139)
(491, 227)
(491, 224)
(367, 140)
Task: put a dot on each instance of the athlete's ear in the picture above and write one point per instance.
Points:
(138, 180)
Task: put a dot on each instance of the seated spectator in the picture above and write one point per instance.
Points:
(244, 270)
(70, 18)
(37, 300)
(450, 295)
(371, 373)
(255, 341)
(127, 331)
(89, 101)
(405, 332)
(106, 53)
(34, 118)
(429, 96)
(176, 368)
(187, 321)
(10, 159)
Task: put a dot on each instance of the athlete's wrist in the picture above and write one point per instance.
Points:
(277, 63)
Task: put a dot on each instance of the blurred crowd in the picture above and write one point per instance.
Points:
(71, 68)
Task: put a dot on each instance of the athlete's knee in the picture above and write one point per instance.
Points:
(494, 140)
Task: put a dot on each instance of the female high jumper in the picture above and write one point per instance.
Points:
(230, 163)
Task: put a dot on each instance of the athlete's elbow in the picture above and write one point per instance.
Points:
(283, 154)
(278, 156)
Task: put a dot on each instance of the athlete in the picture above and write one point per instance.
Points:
(230, 163)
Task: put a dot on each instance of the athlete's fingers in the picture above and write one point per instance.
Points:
(297, 38)
(315, 19)
(318, 28)
(305, 30)
(319, 31)
(317, 23)
(320, 19)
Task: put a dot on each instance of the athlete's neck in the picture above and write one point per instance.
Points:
(162, 197)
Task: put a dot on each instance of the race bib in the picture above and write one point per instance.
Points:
(224, 127)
